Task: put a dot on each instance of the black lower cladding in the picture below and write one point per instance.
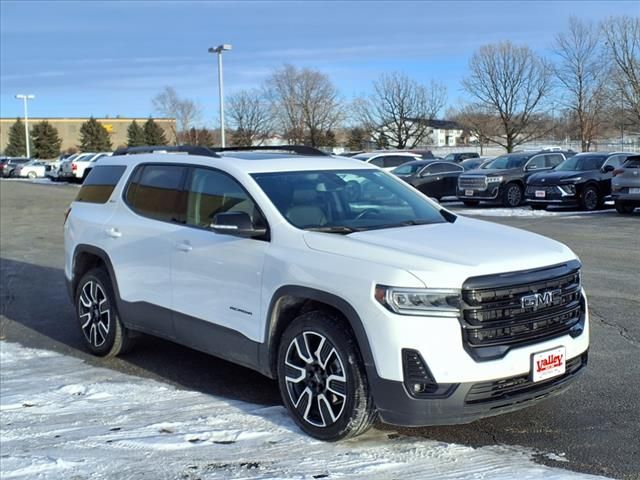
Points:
(464, 405)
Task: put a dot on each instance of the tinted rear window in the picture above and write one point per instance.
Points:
(100, 183)
(155, 191)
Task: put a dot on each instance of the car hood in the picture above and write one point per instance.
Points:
(491, 171)
(446, 254)
(556, 177)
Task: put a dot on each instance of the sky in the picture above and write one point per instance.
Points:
(111, 58)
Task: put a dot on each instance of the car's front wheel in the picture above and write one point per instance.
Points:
(322, 379)
(625, 208)
(102, 330)
(589, 199)
(512, 195)
(31, 175)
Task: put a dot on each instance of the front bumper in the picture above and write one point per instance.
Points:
(554, 195)
(490, 193)
(467, 402)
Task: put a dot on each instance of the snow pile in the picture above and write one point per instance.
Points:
(523, 212)
(62, 418)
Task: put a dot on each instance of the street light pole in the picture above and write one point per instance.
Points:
(24, 98)
(219, 49)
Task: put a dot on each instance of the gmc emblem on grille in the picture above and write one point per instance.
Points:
(538, 300)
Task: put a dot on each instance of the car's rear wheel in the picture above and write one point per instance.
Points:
(625, 208)
(471, 203)
(322, 379)
(589, 199)
(512, 195)
(102, 330)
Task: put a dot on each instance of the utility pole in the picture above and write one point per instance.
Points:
(219, 49)
(24, 98)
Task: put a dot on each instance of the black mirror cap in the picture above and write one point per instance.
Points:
(608, 168)
(237, 224)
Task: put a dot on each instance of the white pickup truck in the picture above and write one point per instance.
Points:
(77, 168)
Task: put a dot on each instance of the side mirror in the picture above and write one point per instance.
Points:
(608, 168)
(237, 224)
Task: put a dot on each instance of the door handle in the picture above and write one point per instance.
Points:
(113, 232)
(184, 247)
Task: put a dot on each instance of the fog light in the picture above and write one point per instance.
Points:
(418, 388)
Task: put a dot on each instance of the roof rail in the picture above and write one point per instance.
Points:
(189, 149)
(299, 149)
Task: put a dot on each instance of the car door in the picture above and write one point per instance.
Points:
(605, 177)
(216, 278)
(141, 237)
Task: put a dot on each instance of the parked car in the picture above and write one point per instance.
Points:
(459, 157)
(32, 169)
(361, 309)
(425, 154)
(74, 168)
(434, 178)
(387, 160)
(503, 179)
(625, 185)
(583, 180)
(10, 165)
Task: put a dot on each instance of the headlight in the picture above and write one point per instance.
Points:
(567, 189)
(494, 179)
(435, 302)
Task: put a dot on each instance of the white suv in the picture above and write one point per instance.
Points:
(360, 307)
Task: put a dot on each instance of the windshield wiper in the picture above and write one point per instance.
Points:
(343, 229)
(406, 223)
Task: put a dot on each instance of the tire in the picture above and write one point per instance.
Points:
(537, 206)
(512, 195)
(589, 199)
(471, 203)
(31, 175)
(325, 409)
(625, 208)
(102, 332)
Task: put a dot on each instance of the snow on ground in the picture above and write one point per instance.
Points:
(62, 418)
(524, 212)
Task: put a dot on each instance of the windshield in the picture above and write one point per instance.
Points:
(408, 169)
(346, 201)
(507, 161)
(579, 163)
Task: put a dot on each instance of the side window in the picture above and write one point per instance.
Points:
(155, 191)
(554, 160)
(100, 183)
(395, 161)
(536, 162)
(615, 160)
(210, 192)
(378, 162)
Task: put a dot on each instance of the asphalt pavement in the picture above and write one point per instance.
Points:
(593, 428)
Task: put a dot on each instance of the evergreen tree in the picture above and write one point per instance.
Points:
(241, 138)
(357, 139)
(46, 140)
(135, 135)
(153, 133)
(205, 138)
(94, 137)
(17, 146)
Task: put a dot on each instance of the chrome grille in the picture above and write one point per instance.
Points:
(476, 182)
(549, 190)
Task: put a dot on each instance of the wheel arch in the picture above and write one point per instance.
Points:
(87, 257)
(290, 301)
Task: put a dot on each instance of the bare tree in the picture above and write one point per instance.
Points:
(622, 36)
(185, 111)
(250, 117)
(304, 102)
(509, 82)
(582, 76)
(480, 124)
(399, 108)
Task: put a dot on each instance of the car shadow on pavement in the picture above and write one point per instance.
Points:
(36, 312)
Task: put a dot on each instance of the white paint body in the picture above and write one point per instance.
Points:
(217, 270)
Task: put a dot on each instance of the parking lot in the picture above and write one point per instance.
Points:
(593, 428)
